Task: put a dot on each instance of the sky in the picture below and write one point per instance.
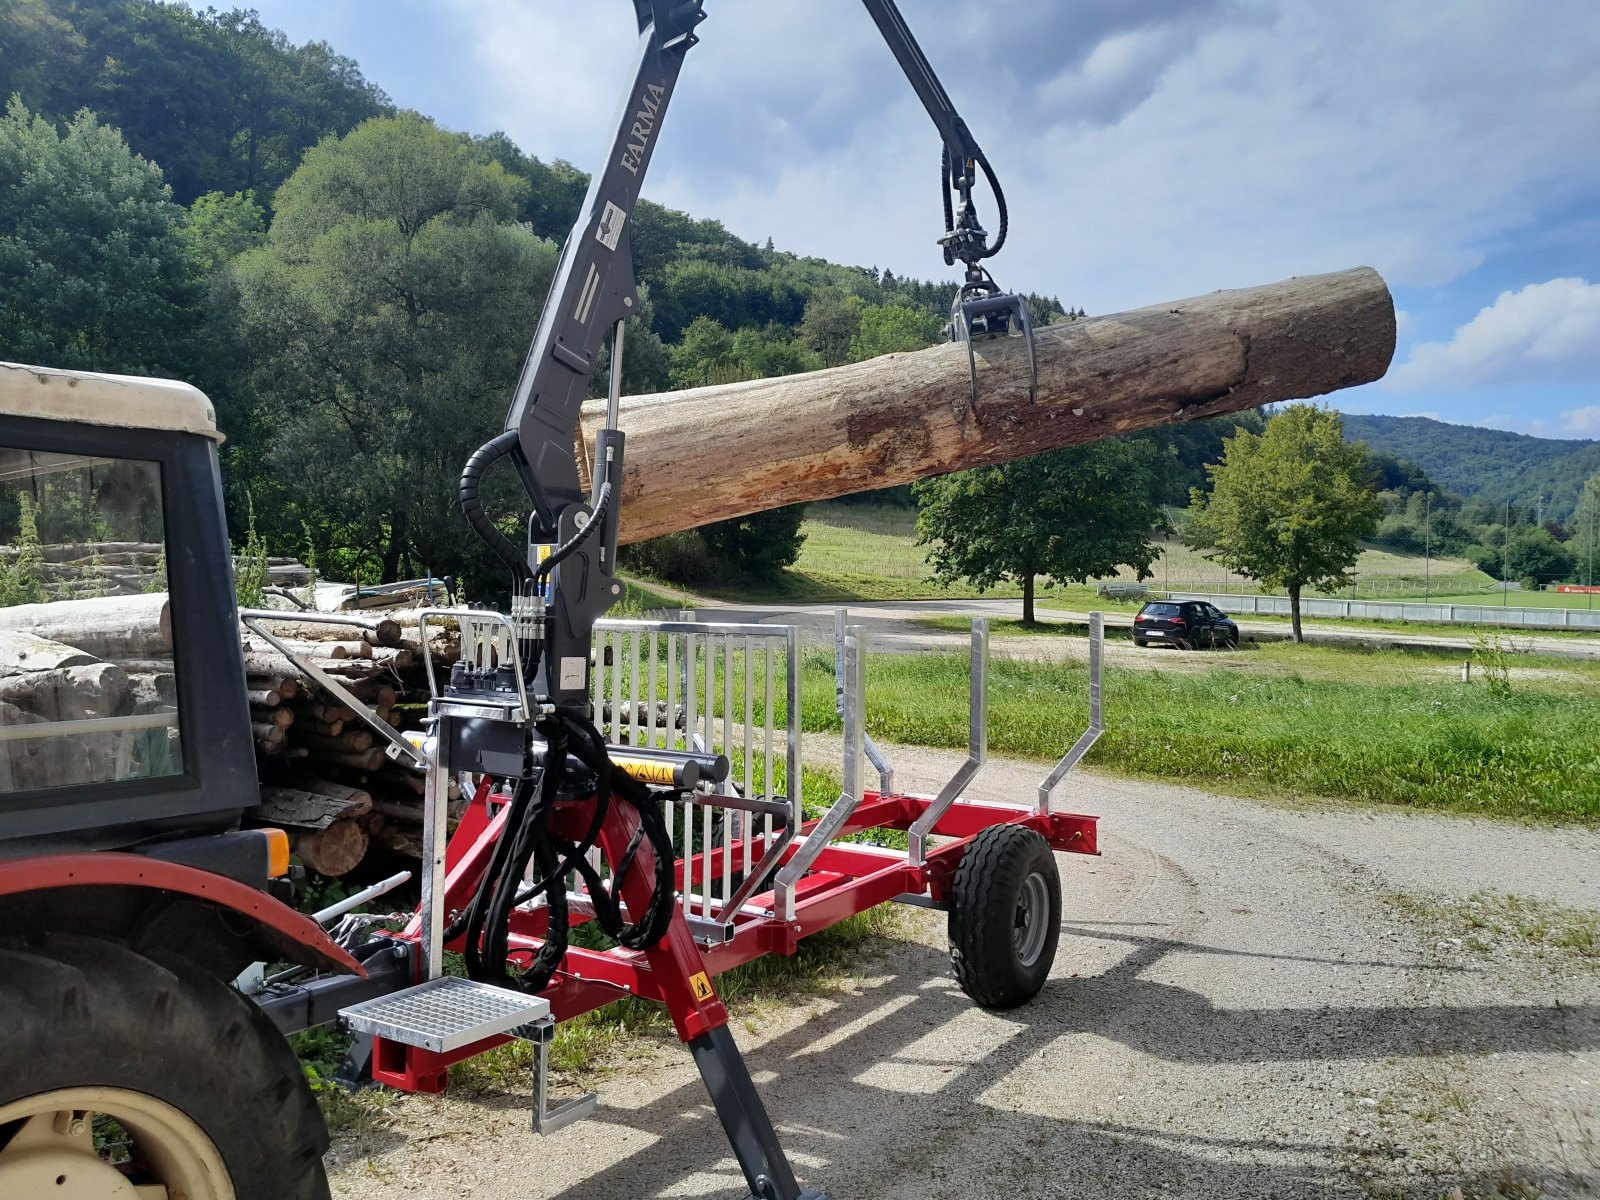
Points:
(1150, 150)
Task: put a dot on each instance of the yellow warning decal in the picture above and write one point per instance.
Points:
(703, 990)
(646, 770)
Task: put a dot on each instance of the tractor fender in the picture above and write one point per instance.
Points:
(217, 922)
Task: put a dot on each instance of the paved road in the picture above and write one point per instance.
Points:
(1248, 1001)
(892, 625)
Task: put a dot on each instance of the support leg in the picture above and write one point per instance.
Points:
(702, 1022)
(744, 1118)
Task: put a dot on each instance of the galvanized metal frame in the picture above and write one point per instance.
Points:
(1091, 735)
(977, 746)
(833, 821)
(632, 671)
(875, 754)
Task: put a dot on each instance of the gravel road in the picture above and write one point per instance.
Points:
(1248, 1001)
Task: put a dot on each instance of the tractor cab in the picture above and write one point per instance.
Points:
(122, 713)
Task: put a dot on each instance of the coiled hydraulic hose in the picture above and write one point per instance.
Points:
(499, 544)
(949, 210)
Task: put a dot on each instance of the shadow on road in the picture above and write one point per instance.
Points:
(873, 1113)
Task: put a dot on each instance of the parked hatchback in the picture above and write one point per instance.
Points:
(1186, 624)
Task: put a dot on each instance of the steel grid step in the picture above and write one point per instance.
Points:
(445, 1014)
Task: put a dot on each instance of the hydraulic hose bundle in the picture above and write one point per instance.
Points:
(574, 755)
(572, 764)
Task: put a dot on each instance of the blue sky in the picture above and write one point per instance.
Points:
(1149, 151)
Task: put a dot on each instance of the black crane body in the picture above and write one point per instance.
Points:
(564, 577)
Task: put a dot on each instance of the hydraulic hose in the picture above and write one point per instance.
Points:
(501, 546)
(526, 839)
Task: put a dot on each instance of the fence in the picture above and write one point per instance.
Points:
(1396, 610)
(1424, 552)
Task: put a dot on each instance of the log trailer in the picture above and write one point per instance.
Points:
(642, 778)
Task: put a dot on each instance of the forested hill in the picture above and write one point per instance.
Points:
(1484, 464)
(189, 194)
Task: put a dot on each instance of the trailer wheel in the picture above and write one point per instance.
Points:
(121, 1076)
(1005, 916)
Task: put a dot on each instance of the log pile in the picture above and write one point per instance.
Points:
(82, 660)
(325, 774)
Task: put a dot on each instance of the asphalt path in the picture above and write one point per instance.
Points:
(894, 625)
(1249, 1001)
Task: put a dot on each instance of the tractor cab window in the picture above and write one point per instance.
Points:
(87, 686)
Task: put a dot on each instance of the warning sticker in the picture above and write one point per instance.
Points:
(703, 990)
(609, 231)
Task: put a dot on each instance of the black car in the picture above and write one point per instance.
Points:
(1186, 624)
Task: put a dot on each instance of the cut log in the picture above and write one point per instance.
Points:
(266, 735)
(310, 810)
(105, 627)
(70, 694)
(265, 699)
(24, 652)
(336, 850)
(771, 442)
(349, 740)
(281, 717)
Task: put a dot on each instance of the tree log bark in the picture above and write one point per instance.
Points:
(105, 627)
(717, 452)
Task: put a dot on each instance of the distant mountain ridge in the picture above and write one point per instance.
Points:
(1485, 464)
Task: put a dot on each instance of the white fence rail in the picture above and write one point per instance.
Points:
(1396, 610)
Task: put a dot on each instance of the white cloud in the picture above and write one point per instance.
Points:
(1149, 151)
(1543, 333)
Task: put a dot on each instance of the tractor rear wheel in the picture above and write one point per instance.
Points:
(1005, 916)
(125, 1078)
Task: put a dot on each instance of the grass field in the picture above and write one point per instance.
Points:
(1301, 721)
(866, 552)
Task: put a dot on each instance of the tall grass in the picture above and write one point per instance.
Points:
(1425, 743)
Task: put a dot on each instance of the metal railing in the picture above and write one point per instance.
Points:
(1397, 610)
(713, 689)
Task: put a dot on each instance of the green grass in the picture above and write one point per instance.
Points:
(1492, 597)
(868, 552)
(1054, 626)
(1296, 721)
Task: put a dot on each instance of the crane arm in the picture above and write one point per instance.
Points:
(565, 576)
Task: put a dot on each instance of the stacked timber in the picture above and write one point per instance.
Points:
(325, 772)
(95, 659)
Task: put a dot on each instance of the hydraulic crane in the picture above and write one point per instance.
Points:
(528, 724)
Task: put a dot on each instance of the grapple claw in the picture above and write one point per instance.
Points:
(981, 309)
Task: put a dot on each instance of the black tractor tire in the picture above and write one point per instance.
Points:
(85, 1012)
(1005, 916)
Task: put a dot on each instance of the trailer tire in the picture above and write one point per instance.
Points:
(1005, 916)
(195, 1074)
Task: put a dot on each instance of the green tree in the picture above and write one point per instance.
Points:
(386, 318)
(1067, 514)
(893, 329)
(222, 227)
(1289, 507)
(1532, 555)
(830, 324)
(94, 271)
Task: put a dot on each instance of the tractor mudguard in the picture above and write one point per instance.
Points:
(216, 922)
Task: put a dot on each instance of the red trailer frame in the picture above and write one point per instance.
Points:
(845, 879)
(832, 882)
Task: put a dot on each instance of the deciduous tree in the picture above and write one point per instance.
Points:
(387, 316)
(1289, 507)
(94, 272)
(1068, 515)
